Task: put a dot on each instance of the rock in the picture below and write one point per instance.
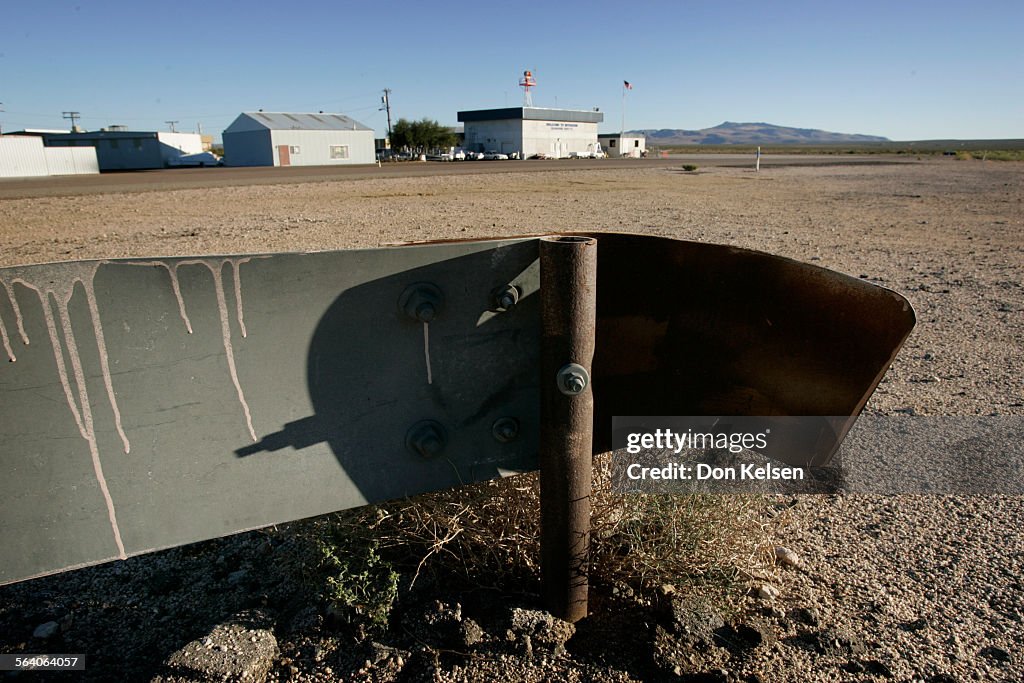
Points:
(237, 577)
(915, 625)
(746, 635)
(788, 558)
(46, 631)
(996, 654)
(471, 633)
(836, 642)
(695, 621)
(545, 631)
(806, 615)
(228, 653)
(766, 591)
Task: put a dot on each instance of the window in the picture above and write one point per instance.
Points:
(611, 143)
(138, 143)
(636, 143)
(339, 151)
(294, 149)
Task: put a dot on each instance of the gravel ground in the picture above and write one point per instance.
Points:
(886, 588)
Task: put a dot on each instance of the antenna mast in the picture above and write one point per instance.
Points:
(527, 82)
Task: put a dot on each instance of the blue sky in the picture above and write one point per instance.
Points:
(904, 70)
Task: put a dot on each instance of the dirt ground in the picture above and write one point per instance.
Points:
(901, 588)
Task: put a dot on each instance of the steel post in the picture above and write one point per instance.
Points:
(568, 292)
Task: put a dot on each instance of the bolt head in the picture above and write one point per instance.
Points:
(429, 446)
(572, 379)
(505, 429)
(425, 312)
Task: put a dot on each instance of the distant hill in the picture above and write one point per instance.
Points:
(730, 133)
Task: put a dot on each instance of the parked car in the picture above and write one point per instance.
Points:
(495, 156)
(459, 154)
(199, 159)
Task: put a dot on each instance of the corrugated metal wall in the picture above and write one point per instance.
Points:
(313, 147)
(21, 157)
(71, 160)
(248, 148)
(25, 157)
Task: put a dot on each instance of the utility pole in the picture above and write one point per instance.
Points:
(74, 116)
(386, 101)
(171, 124)
(1, 125)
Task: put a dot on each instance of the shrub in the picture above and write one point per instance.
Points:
(689, 167)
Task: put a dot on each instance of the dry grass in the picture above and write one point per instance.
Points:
(488, 534)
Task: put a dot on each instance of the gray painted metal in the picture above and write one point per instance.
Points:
(165, 401)
(266, 120)
(531, 114)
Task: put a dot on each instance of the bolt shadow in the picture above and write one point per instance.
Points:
(374, 371)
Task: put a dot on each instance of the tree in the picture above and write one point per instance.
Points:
(421, 135)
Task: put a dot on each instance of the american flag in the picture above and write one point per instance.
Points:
(628, 85)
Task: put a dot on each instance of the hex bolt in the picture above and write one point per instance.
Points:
(425, 312)
(426, 438)
(505, 429)
(421, 302)
(505, 298)
(572, 379)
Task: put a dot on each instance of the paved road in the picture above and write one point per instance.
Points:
(186, 178)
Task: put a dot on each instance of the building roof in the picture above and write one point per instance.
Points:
(266, 120)
(532, 114)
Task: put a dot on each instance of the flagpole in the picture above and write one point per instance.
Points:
(622, 128)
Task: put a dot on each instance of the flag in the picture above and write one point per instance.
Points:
(627, 85)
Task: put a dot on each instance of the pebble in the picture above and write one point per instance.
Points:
(767, 592)
(787, 557)
(46, 631)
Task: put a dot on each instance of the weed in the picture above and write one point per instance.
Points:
(357, 582)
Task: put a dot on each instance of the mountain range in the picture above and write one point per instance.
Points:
(731, 133)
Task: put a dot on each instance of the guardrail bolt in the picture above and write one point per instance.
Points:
(573, 379)
(426, 438)
(505, 429)
(421, 302)
(505, 298)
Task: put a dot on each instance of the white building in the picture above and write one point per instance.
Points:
(22, 157)
(281, 139)
(616, 145)
(118, 149)
(554, 133)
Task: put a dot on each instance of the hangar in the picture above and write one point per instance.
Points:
(293, 139)
(530, 131)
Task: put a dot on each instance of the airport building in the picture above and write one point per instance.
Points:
(291, 139)
(26, 156)
(623, 145)
(530, 131)
(119, 149)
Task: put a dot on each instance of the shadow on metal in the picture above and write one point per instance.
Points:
(376, 371)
